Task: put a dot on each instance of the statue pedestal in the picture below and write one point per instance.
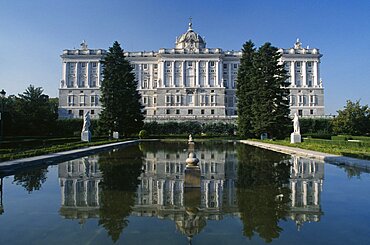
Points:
(115, 135)
(86, 136)
(295, 138)
(192, 177)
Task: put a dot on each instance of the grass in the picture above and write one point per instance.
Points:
(14, 153)
(350, 150)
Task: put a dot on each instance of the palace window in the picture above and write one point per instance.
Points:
(168, 64)
(70, 100)
(177, 112)
(82, 100)
(69, 112)
(80, 113)
(212, 112)
(167, 111)
(145, 66)
(92, 112)
(225, 66)
(190, 63)
(155, 66)
(190, 112)
(94, 100)
(202, 111)
(212, 63)
(235, 66)
(94, 64)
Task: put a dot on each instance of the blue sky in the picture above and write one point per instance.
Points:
(34, 33)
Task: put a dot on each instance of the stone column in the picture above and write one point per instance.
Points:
(217, 82)
(88, 67)
(229, 82)
(292, 73)
(315, 74)
(173, 74)
(77, 75)
(162, 73)
(304, 74)
(207, 75)
(183, 73)
(150, 76)
(197, 73)
(99, 74)
(64, 75)
(139, 77)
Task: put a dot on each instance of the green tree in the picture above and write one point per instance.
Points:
(263, 93)
(353, 120)
(122, 109)
(244, 89)
(34, 113)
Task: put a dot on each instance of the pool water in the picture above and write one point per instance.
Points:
(136, 195)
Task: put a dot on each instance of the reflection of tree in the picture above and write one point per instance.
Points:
(263, 197)
(120, 171)
(31, 179)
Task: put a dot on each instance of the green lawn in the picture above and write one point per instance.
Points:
(349, 149)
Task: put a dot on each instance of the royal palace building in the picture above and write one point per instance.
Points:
(187, 82)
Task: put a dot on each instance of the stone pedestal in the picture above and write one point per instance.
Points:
(86, 136)
(115, 135)
(192, 198)
(192, 177)
(295, 138)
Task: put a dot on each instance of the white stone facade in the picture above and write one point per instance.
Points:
(188, 82)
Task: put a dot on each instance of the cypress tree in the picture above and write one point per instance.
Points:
(122, 109)
(244, 90)
(263, 94)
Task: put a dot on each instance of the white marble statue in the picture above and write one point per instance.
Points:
(86, 122)
(190, 138)
(296, 127)
(86, 134)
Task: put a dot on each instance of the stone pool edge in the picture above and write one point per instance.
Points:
(12, 165)
(329, 158)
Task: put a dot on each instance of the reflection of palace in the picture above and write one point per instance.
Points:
(306, 180)
(161, 191)
(162, 182)
(79, 180)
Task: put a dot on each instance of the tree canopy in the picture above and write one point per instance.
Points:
(354, 119)
(31, 113)
(262, 92)
(121, 102)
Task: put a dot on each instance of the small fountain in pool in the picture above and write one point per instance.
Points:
(192, 170)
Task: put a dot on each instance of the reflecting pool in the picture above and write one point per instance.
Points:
(136, 195)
